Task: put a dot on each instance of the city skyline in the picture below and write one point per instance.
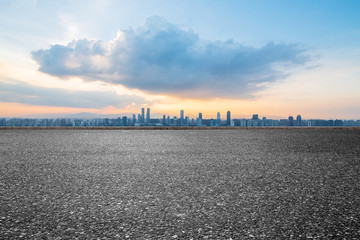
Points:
(275, 58)
(181, 120)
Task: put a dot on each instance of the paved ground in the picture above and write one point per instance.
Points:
(220, 184)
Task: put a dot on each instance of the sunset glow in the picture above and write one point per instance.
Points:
(273, 58)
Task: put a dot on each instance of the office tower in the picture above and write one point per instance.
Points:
(164, 120)
(148, 115)
(291, 121)
(175, 121)
(298, 121)
(124, 121)
(218, 119)
(198, 122)
(228, 118)
(200, 116)
(134, 119)
(255, 117)
(186, 121)
(142, 115)
(181, 117)
(139, 118)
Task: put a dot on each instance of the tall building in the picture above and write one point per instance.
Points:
(218, 119)
(298, 121)
(148, 115)
(291, 121)
(181, 117)
(228, 118)
(142, 115)
(164, 120)
(255, 117)
(124, 121)
(200, 116)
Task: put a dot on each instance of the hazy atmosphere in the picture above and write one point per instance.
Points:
(275, 58)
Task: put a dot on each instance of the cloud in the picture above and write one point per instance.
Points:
(20, 92)
(160, 57)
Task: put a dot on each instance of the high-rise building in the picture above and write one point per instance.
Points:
(198, 122)
(228, 118)
(133, 120)
(298, 121)
(164, 120)
(218, 119)
(255, 117)
(124, 121)
(200, 116)
(181, 117)
(148, 115)
(291, 121)
(142, 115)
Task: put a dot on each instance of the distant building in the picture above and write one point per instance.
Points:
(198, 122)
(175, 121)
(255, 117)
(124, 121)
(148, 115)
(298, 121)
(181, 117)
(164, 120)
(338, 123)
(228, 118)
(291, 121)
(142, 115)
(218, 119)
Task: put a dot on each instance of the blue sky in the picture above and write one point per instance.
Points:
(269, 57)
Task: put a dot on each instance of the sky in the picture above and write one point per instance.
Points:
(274, 58)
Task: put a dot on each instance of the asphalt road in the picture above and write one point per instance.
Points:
(149, 184)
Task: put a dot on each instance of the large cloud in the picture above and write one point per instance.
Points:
(159, 57)
(20, 92)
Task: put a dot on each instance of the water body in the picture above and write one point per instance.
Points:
(151, 184)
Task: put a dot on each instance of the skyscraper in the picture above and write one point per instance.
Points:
(298, 121)
(291, 121)
(124, 121)
(164, 120)
(228, 118)
(255, 117)
(181, 117)
(133, 120)
(142, 115)
(200, 116)
(218, 119)
(148, 115)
